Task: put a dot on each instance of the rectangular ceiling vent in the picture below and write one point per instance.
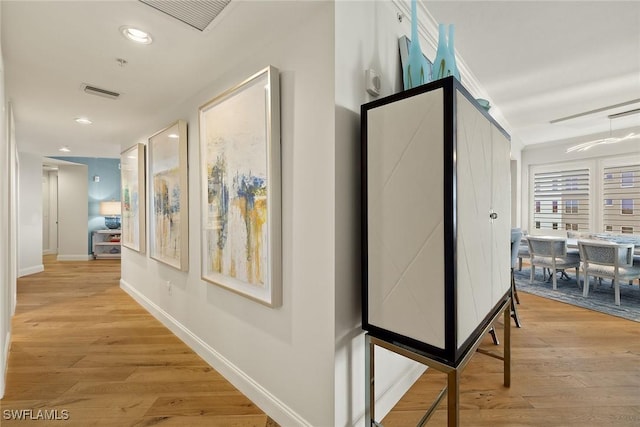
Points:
(196, 13)
(92, 90)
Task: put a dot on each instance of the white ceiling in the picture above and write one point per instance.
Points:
(545, 60)
(538, 61)
(51, 47)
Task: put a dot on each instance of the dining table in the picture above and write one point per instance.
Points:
(572, 244)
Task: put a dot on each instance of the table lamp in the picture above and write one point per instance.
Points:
(111, 213)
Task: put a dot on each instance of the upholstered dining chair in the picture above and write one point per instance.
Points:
(551, 253)
(607, 260)
(523, 249)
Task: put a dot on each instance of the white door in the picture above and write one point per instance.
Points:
(474, 186)
(501, 205)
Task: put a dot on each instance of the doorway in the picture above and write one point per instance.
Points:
(49, 209)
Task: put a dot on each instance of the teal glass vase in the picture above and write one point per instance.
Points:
(453, 67)
(417, 70)
(444, 64)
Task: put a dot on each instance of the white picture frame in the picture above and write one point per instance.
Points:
(240, 189)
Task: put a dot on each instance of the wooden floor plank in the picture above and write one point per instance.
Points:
(81, 344)
(570, 367)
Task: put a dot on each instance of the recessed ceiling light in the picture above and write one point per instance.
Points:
(83, 121)
(173, 135)
(136, 35)
(64, 149)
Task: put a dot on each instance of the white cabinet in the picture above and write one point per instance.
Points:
(436, 219)
(106, 243)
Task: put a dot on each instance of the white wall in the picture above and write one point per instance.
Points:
(366, 37)
(320, 318)
(8, 221)
(282, 358)
(5, 287)
(73, 211)
(30, 213)
(13, 243)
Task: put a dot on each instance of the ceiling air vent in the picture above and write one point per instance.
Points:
(92, 90)
(196, 13)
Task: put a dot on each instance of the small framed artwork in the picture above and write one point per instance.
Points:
(240, 194)
(168, 196)
(132, 174)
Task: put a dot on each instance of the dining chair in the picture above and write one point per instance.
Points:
(607, 260)
(551, 253)
(523, 249)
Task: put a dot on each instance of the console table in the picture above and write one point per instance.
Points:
(106, 243)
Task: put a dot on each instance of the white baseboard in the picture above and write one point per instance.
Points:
(49, 252)
(266, 401)
(74, 257)
(5, 360)
(31, 270)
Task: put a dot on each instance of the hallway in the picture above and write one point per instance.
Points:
(82, 349)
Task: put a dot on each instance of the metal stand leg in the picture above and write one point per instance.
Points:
(514, 296)
(494, 337)
(369, 388)
(453, 398)
(507, 348)
(513, 286)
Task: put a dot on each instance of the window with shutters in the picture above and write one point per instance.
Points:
(561, 199)
(621, 199)
(571, 206)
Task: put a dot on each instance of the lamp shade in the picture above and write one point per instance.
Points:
(109, 208)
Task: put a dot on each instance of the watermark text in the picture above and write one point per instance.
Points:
(36, 414)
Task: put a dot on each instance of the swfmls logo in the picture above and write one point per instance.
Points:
(36, 415)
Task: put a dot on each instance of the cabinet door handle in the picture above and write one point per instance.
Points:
(493, 215)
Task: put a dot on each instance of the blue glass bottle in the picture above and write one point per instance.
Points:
(440, 63)
(453, 67)
(417, 71)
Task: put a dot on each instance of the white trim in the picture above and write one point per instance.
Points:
(49, 252)
(3, 373)
(31, 270)
(269, 403)
(74, 257)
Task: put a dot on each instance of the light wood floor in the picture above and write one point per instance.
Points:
(82, 345)
(570, 367)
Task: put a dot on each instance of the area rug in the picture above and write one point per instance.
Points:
(600, 299)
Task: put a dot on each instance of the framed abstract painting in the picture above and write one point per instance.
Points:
(168, 196)
(132, 178)
(240, 189)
